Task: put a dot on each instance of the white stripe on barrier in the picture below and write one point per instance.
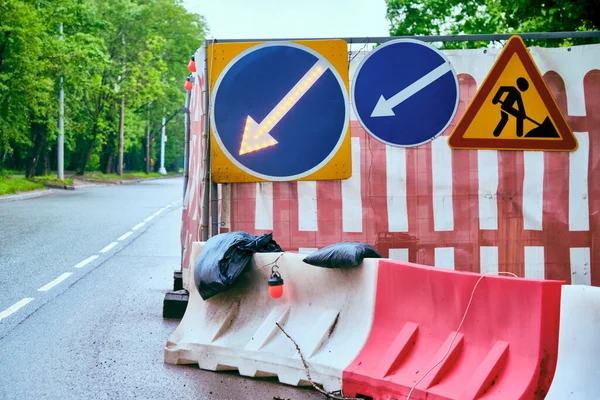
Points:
(399, 254)
(395, 160)
(307, 206)
(487, 173)
(533, 190)
(571, 64)
(264, 206)
(488, 259)
(580, 266)
(307, 250)
(351, 196)
(441, 174)
(579, 209)
(444, 257)
(473, 63)
(534, 262)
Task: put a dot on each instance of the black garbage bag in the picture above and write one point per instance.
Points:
(342, 255)
(225, 256)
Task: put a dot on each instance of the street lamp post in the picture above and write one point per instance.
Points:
(163, 139)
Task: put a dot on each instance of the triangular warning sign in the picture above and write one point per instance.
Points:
(513, 109)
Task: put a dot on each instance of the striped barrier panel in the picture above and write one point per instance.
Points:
(328, 312)
(505, 349)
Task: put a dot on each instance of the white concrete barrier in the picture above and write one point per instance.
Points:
(578, 370)
(328, 312)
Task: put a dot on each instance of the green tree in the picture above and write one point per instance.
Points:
(453, 17)
(160, 36)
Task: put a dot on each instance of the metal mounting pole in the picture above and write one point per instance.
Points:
(214, 208)
(186, 147)
(163, 139)
(206, 159)
(60, 170)
(122, 116)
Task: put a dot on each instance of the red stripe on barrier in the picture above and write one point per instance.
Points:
(556, 197)
(283, 215)
(506, 347)
(329, 212)
(465, 190)
(373, 187)
(243, 207)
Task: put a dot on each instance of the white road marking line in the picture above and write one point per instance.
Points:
(109, 247)
(15, 307)
(125, 236)
(55, 282)
(86, 261)
(150, 218)
(138, 226)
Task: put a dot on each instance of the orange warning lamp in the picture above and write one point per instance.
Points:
(188, 84)
(275, 283)
(192, 64)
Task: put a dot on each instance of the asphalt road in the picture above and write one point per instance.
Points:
(78, 323)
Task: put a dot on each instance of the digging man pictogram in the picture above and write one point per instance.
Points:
(513, 97)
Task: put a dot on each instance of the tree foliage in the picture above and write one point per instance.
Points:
(138, 49)
(453, 17)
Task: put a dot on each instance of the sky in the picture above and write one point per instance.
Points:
(277, 19)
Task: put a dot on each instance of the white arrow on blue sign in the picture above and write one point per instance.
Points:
(405, 93)
(280, 111)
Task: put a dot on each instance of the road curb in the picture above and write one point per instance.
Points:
(128, 181)
(24, 196)
(64, 187)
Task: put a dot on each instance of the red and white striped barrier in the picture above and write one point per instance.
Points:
(328, 312)
(375, 330)
(504, 348)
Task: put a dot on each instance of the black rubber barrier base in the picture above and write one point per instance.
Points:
(177, 281)
(175, 303)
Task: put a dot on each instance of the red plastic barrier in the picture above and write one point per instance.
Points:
(506, 348)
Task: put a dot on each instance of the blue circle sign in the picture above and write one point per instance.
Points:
(405, 93)
(280, 111)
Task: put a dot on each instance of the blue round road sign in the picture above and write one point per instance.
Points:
(405, 93)
(280, 111)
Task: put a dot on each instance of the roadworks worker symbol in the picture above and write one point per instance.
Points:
(513, 109)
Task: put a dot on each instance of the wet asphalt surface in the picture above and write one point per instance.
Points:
(99, 334)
